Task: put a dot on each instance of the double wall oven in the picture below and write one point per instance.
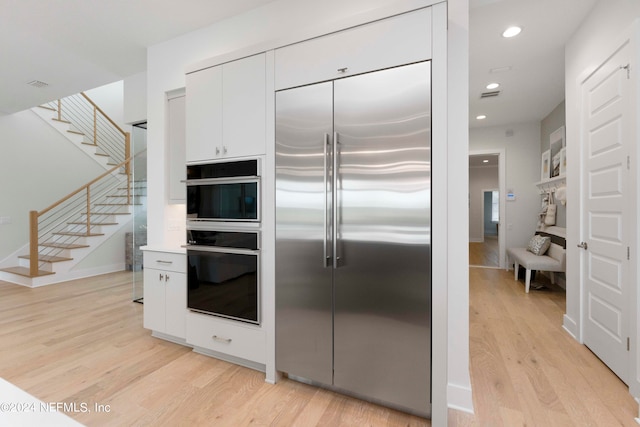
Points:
(223, 239)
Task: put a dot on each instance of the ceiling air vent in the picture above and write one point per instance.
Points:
(37, 84)
(491, 94)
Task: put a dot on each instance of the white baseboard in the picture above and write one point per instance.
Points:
(459, 398)
(475, 240)
(569, 325)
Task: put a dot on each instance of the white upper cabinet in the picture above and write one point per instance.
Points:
(244, 106)
(226, 108)
(402, 39)
(204, 113)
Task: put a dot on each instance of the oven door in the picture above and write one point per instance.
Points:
(224, 282)
(235, 199)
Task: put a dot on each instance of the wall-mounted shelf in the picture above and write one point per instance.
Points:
(551, 184)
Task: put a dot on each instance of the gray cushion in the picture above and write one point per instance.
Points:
(538, 245)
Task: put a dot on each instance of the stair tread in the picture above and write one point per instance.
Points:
(89, 143)
(62, 121)
(24, 271)
(48, 258)
(75, 132)
(117, 204)
(108, 213)
(92, 223)
(77, 233)
(46, 107)
(63, 245)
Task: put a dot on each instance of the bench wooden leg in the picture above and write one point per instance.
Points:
(527, 280)
(552, 276)
(516, 267)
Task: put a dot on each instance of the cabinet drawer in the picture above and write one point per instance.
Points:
(226, 337)
(165, 261)
(398, 40)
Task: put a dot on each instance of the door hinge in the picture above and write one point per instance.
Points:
(628, 162)
(628, 68)
(628, 344)
(628, 253)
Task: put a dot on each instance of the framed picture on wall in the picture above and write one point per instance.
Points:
(556, 145)
(545, 166)
(563, 161)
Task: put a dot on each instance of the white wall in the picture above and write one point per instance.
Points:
(480, 178)
(522, 151)
(600, 33)
(166, 64)
(35, 165)
(110, 99)
(135, 102)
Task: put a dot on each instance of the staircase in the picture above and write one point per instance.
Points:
(64, 233)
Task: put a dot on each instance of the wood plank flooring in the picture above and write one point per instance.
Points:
(485, 253)
(83, 341)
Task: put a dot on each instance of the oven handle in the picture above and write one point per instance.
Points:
(221, 250)
(238, 180)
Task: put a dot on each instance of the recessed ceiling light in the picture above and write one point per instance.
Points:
(493, 85)
(481, 117)
(511, 32)
(485, 161)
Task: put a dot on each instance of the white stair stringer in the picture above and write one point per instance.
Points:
(64, 270)
(80, 141)
(105, 225)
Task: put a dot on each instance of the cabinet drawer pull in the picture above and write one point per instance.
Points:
(159, 261)
(221, 339)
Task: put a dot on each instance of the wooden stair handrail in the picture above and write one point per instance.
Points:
(85, 186)
(103, 113)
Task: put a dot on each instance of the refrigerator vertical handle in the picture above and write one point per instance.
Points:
(336, 254)
(325, 253)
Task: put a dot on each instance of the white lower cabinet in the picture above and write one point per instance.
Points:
(229, 337)
(165, 293)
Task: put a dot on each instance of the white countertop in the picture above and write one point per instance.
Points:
(161, 248)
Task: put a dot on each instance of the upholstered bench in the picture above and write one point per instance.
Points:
(554, 260)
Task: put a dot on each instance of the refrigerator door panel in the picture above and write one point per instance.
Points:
(382, 284)
(304, 323)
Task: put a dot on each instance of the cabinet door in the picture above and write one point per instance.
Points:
(204, 114)
(176, 149)
(154, 300)
(244, 107)
(390, 42)
(176, 304)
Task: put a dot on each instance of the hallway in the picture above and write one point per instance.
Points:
(526, 370)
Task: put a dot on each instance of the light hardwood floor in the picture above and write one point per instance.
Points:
(83, 341)
(485, 253)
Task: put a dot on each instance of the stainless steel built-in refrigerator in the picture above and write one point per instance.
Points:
(353, 235)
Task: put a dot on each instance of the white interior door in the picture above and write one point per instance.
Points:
(607, 132)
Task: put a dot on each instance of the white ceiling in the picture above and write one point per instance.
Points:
(78, 45)
(535, 84)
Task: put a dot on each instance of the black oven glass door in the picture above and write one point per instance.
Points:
(223, 201)
(224, 284)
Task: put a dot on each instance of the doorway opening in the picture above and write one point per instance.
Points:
(487, 209)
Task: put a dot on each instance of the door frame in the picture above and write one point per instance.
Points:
(502, 230)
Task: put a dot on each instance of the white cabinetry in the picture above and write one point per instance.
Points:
(225, 337)
(390, 42)
(165, 293)
(226, 110)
